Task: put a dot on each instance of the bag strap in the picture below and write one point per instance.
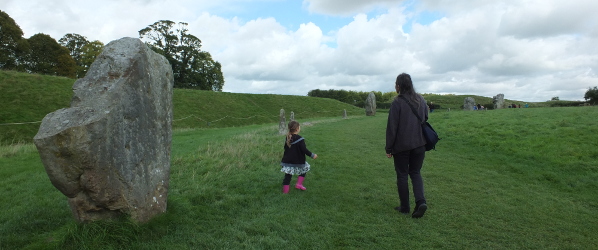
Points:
(413, 109)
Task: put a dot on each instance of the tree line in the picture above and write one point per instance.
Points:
(72, 55)
(383, 100)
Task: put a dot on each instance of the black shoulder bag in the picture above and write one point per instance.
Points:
(429, 133)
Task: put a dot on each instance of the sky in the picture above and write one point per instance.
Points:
(528, 50)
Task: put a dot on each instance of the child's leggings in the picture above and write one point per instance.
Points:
(287, 178)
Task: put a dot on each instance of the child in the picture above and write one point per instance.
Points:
(293, 161)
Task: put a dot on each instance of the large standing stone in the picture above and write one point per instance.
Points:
(499, 101)
(468, 103)
(370, 104)
(282, 123)
(109, 153)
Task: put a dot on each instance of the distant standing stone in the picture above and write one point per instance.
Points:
(344, 114)
(109, 153)
(468, 103)
(282, 124)
(370, 104)
(292, 116)
(499, 101)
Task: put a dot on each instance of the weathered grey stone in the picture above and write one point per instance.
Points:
(109, 153)
(468, 103)
(499, 101)
(344, 114)
(282, 124)
(292, 116)
(370, 104)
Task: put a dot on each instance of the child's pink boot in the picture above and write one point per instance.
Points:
(285, 189)
(299, 184)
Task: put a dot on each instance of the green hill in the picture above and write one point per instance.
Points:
(202, 109)
(26, 98)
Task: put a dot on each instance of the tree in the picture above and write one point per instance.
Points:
(388, 96)
(192, 68)
(89, 53)
(13, 47)
(65, 65)
(75, 43)
(46, 56)
(556, 98)
(591, 95)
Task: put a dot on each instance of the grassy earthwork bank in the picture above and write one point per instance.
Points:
(500, 179)
(26, 98)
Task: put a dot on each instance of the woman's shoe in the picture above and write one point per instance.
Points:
(419, 211)
(401, 210)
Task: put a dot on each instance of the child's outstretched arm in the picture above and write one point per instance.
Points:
(306, 151)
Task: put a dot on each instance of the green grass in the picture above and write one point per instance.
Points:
(27, 98)
(455, 102)
(502, 179)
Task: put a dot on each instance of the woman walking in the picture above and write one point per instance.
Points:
(405, 143)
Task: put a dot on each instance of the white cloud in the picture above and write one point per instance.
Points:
(347, 7)
(552, 18)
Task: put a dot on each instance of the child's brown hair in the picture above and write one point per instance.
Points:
(293, 127)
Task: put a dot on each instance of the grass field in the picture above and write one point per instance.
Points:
(502, 179)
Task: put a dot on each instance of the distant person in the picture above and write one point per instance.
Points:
(479, 106)
(431, 107)
(475, 107)
(526, 105)
(405, 143)
(293, 161)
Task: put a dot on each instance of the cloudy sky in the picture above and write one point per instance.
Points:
(529, 50)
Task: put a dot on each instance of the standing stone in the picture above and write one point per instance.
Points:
(468, 103)
(109, 153)
(370, 104)
(282, 124)
(499, 101)
(344, 114)
(292, 116)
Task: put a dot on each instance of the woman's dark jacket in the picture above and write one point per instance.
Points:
(297, 152)
(403, 130)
